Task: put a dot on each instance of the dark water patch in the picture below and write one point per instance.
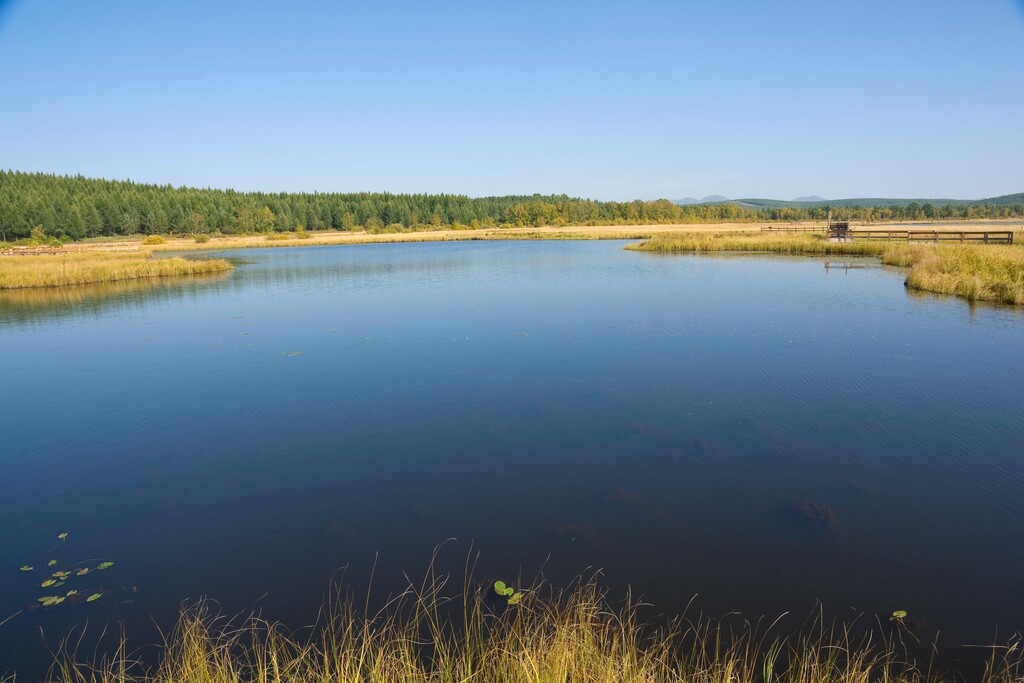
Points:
(657, 421)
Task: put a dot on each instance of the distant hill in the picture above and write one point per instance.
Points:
(862, 202)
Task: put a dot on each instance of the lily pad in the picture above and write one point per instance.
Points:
(72, 592)
(900, 614)
(104, 565)
(49, 600)
(94, 597)
(82, 572)
(62, 535)
(514, 600)
(27, 568)
(61, 575)
(48, 583)
(51, 563)
(499, 587)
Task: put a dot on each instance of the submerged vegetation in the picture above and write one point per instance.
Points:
(552, 636)
(975, 272)
(73, 268)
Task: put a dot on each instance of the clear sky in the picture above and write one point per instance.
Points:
(622, 100)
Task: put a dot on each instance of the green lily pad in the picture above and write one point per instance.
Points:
(94, 597)
(514, 600)
(499, 587)
(48, 583)
(48, 600)
(104, 565)
(72, 592)
(82, 572)
(899, 614)
(62, 535)
(27, 568)
(51, 563)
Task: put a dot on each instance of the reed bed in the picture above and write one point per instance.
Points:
(785, 243)
(571, 636)
(75, 268)
(975, 272)
(978, 273)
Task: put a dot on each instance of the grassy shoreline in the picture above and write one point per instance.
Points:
(426, 635)
(974, 272)
(85, 267)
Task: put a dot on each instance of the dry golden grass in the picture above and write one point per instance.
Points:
(572, 636)
(977, 272)
(72, 268)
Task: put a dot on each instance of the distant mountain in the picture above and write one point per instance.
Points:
(859, 202)
(685, 201)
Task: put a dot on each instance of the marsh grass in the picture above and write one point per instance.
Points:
(775, 243)
(75, 268)
(976, 272)
(568, 636)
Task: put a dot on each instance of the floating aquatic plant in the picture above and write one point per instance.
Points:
(507, 592)
(61, 575)
(898, 616)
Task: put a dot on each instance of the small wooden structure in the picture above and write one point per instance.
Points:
(837, 230)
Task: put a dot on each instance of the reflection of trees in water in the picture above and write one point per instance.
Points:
(322, 272)
(365, 274)
(33, 303)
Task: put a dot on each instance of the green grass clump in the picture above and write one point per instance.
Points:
(75, 268)
(577, 635)
(154, 239)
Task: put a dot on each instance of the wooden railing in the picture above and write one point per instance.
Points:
(769, 228)
(961, 236)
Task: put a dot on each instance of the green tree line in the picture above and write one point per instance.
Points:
(75, 207)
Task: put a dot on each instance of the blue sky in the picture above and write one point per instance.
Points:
(602, 100)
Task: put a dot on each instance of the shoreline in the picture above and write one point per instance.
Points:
(974, 272)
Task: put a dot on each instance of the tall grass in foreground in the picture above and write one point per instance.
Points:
(51, 270)
(977, 272)
(572, 636)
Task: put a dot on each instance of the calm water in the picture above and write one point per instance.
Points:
(756, 431)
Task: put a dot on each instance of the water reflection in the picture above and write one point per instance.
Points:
(753, 429)
(23, 305)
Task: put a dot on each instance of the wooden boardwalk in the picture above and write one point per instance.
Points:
(959, 236)
(769, 228)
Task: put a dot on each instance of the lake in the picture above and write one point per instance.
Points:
(760, 432)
